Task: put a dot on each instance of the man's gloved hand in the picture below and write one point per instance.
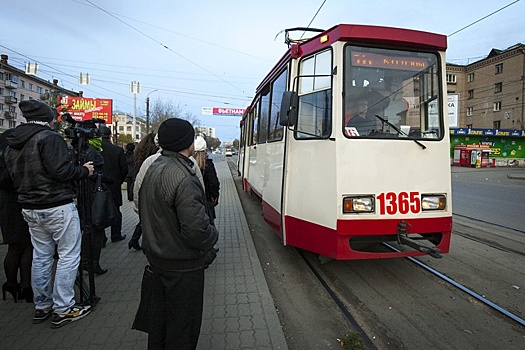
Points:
(210, 256)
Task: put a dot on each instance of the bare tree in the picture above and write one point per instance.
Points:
(162, 110)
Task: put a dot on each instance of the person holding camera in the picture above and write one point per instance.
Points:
(39, 163)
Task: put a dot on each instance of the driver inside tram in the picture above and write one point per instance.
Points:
(359, 119)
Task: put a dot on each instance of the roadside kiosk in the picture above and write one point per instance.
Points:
(472, 156)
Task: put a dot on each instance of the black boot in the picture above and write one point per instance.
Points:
(134, 244)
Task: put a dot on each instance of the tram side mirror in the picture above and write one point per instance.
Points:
(289, 105)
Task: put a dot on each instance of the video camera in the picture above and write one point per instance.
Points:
(87, 129)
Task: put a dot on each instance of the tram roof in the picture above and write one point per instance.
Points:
(357, 33)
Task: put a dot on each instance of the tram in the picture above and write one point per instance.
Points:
(346, 142)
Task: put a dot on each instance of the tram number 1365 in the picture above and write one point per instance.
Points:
(391, 203)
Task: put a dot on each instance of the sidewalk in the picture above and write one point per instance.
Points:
(239, 312)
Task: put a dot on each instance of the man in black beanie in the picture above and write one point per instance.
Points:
(39, 163)
(178, 240)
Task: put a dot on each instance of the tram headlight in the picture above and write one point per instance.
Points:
(433, 201)
(361, 204)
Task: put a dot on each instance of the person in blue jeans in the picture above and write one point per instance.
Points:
(39, 163)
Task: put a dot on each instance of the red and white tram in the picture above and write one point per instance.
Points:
(347, 144)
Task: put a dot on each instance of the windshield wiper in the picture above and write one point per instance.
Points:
(400, 132)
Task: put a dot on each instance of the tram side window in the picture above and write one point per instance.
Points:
(315, 97)
(264, 116)
(278, 87)
(255, 125)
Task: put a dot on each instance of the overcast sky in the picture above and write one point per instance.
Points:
(211, 53)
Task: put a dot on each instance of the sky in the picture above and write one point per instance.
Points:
(211, 53)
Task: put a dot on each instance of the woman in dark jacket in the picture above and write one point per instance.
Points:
(16, 235)
(144, 149)
(209, 175)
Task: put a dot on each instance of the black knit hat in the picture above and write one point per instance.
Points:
(36, 110)
(175, 134)
(104, 131)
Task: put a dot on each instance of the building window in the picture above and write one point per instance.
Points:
(499, 68)
(470, 110)
(12, 124)
(498, 87)
(451, 78)
(1, 106)
(496, 124)
(1, 92)
(1, 75)
(497, 106)
(22, 84)
(1, 122)
(39, 89)
(469, 126)
(30, 86)
(470, 77)
(470, 94)
(22, 97)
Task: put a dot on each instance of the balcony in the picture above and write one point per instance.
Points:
(10, 99)
(9, 84)
(9, 115)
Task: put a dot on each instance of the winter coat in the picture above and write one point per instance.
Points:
(14, 227)
(39, 163)
(116, 167)
(177, 231)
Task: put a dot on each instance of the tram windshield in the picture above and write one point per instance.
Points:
(391, 94)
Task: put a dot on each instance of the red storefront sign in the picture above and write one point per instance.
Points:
(82, 108)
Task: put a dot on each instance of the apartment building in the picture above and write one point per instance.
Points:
(123, 124)
(16, 86)
(491, 91)
(208, 131)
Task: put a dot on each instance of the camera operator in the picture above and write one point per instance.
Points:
(39, 163)
(91, 251)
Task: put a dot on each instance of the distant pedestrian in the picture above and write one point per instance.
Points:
(130, 177)
(114, 166)
(178, 239)
(39, 163)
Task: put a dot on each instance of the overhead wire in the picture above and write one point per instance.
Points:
(164, 46)
(481, 19)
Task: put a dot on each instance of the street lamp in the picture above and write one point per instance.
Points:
(134, 89)
(147, 111)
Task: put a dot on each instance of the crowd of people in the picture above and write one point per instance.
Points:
(174, 187)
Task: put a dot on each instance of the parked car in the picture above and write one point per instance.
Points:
(228, 153)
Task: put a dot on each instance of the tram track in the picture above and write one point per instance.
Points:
(367, 342)
(465, 289)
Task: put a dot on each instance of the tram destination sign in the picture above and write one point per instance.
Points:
(367, 59)
(236, 112)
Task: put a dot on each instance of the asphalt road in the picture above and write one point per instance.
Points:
(495, 195)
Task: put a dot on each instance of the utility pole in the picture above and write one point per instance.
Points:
(134, 89)
(147, 111)
(147, 115)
